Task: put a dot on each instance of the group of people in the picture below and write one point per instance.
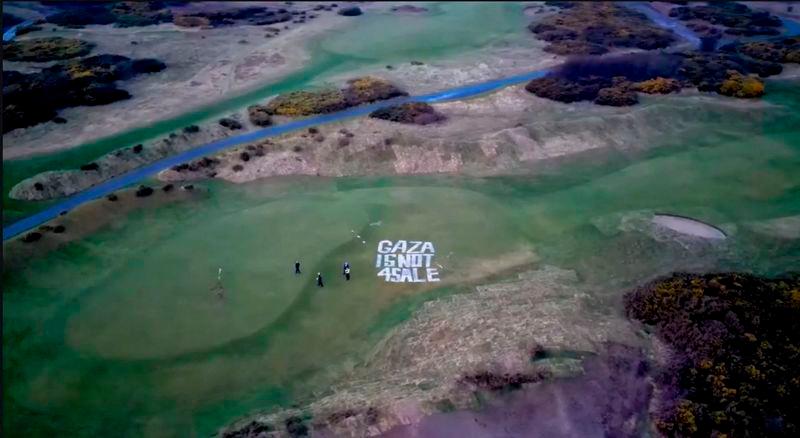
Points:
(345, 272)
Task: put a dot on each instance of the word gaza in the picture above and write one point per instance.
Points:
(406, 261)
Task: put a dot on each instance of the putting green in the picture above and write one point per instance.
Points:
(160, 303)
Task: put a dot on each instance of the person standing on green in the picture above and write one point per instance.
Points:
(319, 280)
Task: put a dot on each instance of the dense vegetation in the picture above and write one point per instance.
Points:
(46, 49)
(735, 345)
(358, 91)
(32, 98)
(592, 28)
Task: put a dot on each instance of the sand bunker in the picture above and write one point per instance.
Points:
(689, 226)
